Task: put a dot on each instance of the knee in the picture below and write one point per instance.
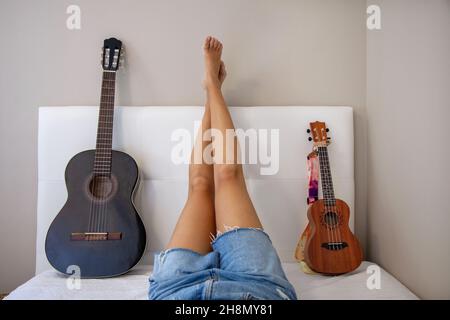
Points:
(228, 173)
(200, 183)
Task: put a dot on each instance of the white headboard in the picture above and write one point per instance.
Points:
(145, 133)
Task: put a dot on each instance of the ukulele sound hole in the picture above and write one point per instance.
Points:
(330, 219)
(101, 187)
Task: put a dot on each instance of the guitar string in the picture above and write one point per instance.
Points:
(92, 185)
(97, 153)
(111, 97)
(105, 141)
(106, 168)
(103, 110)
(97, 188)
(102, 138)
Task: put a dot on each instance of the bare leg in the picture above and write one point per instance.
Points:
(232, 201)
(197, 222)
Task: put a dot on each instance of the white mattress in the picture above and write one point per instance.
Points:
(134, 286)
(145, 133)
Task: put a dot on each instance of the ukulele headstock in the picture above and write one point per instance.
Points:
(319, 130)
(112, 54)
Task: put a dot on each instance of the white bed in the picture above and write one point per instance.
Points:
(146, 134)
(134, 286)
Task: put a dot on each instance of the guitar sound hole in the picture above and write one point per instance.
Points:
(331, 219)
(101, 187)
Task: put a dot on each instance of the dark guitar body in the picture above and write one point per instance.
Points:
(113, 213)
(321, 254)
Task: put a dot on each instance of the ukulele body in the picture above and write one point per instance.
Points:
(331, 248)
(95, 208)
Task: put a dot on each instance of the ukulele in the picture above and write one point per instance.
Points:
(98, 229)
(331, 247)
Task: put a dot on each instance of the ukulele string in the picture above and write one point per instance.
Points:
(336, 213)
(322, 176)
(330, 213)
(333, 209)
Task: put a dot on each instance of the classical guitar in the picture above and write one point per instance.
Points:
(331, 247)
(98, 229)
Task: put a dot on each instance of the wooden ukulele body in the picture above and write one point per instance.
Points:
(331, 248)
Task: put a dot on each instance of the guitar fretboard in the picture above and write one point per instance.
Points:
(325, 177)
(102, 161)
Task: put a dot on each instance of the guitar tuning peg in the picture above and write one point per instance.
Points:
(327, 130)
(309, 139)
(308, 131)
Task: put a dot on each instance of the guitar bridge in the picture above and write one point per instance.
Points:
(95, 236)
(334, 245)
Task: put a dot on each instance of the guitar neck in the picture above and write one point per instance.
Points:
(325, 175)
(102, 161)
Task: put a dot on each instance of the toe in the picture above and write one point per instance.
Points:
(206, 43)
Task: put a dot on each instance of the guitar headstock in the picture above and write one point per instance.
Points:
(319, 131)
(112, 53)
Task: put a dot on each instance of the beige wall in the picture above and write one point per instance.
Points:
(408, 108)
(302, 52)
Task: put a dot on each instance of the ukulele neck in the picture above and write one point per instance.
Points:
(325, 175)
(103, 149)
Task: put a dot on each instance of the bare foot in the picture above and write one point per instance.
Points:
(222, 73)
(212, 50)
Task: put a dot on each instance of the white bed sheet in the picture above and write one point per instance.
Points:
(134, 286)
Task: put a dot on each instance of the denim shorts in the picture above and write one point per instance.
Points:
(242, 266)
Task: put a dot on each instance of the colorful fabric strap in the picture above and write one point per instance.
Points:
(313, 178)
(313, 195)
